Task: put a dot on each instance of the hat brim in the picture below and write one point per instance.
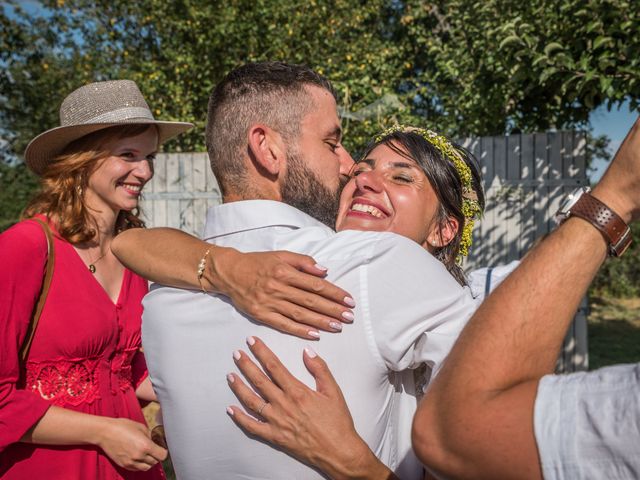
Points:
(48, 145)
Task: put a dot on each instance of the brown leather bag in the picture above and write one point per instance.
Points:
(44, 291)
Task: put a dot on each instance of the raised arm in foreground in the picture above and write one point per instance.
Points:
(281, 289)
(476, 420)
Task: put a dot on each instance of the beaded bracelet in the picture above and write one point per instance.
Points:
(201, 266)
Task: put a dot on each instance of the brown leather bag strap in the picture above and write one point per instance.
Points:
(46, 283)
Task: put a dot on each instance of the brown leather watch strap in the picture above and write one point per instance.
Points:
(615, 231)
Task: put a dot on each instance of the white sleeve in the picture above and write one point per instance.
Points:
(587, 425)
(416, 308)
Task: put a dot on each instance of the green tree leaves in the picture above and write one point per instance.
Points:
(461, 66)
(464, 67)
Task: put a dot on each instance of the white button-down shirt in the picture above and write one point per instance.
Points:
(409, 311)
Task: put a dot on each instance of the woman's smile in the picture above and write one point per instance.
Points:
(388, 192)
(367, 209)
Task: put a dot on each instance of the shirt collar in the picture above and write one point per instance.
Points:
(234, 217)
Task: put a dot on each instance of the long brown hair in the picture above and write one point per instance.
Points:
(65, 179)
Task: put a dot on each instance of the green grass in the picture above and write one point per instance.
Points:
(614, 331)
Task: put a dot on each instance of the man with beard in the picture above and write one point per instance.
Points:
(274, 141)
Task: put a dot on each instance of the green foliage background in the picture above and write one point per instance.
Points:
(464, 67)
(620, 277)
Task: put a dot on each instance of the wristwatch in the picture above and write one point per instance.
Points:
(580, 203)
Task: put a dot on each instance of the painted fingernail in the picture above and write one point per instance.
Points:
(314, 333)
(310, 352)
(348, 316)
(236, 354)
(230, 378)
(320, 267)
(336, 326)
(350, 301)
(230, 411)
(251, 341)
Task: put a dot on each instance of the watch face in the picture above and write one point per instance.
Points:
(571, 199)
(568, 202)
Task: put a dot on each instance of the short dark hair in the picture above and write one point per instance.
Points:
(446, 182)
(266, 92)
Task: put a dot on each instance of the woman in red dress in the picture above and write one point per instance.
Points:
(72, 410)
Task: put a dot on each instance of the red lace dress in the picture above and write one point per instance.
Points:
(85, 356)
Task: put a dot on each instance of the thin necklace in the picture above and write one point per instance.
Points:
(92, 265)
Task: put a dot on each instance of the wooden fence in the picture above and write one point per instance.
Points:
(181, 191)
(525, 177)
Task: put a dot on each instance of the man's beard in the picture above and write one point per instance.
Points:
(303, 190)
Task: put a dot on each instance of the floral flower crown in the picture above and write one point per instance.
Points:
(470, 206)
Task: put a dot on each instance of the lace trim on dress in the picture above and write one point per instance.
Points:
(125, 372)
(64, 382)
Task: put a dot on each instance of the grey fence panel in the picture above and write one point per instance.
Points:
(181, 191)
(157, 213)
(527, 174)
(525, 177)
(203, 180)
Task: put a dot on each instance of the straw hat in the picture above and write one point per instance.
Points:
(94, 107)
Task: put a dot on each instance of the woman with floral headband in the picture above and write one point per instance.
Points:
(410, 181)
